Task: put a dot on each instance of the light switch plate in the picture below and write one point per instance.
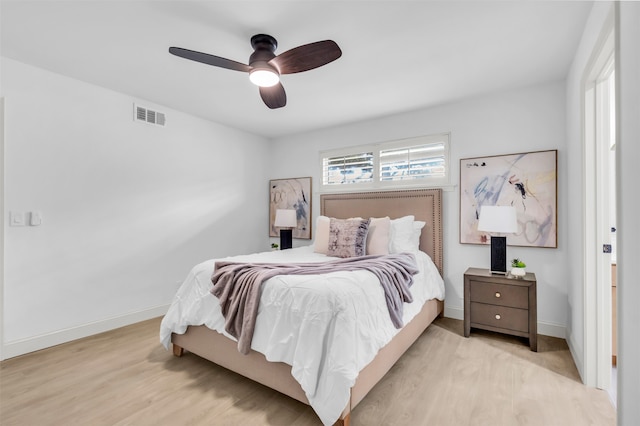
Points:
(36, 218)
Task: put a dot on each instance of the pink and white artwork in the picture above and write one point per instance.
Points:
(527, 181)
(294, 194)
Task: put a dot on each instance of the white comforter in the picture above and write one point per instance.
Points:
(327, 327)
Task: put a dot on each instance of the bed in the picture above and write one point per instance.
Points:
(202, 340)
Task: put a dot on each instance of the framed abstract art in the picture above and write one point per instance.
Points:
(526, 181)
(291, 194)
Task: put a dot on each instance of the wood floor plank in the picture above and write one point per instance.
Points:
(125, 377)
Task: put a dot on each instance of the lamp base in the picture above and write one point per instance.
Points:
(286, 239)
(499, 255)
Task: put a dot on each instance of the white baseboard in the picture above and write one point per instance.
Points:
(577, 355)
(544, 328)
(553, 330)
(32, 344)
(455, 313)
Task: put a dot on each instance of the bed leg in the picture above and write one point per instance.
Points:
(177, 350)
(343, 422)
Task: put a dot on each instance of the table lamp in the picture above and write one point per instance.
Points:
(502, 220)
(285, 220)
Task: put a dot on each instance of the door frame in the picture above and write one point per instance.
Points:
(597, 276)
(2, 217)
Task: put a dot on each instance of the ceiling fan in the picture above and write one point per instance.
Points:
(265, 67)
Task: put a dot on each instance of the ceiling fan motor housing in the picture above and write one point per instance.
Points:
(264, 40)
(264, 47)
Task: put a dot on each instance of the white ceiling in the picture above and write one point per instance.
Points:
(397, 55)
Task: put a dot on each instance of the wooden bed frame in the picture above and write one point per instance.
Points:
(425, 205)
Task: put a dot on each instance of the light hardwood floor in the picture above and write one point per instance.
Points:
(125, 377)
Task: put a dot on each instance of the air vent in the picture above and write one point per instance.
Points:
(148, 115)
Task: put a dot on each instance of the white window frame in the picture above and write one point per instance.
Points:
(376, 148)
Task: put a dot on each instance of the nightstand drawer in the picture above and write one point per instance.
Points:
(500, 294)
(500, 316)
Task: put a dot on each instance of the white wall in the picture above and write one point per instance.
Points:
(128, 208)
(522, 120)
(628, 150)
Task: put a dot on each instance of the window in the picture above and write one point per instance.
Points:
(421, 161)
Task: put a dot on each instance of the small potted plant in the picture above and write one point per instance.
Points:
(274, 246)
(518, 268)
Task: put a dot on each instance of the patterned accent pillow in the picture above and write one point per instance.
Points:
(348, 237)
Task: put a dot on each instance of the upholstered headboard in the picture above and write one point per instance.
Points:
(424, 204)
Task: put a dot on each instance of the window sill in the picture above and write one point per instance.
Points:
(355, 188)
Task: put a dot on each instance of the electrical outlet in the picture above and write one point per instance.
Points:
(16, 218)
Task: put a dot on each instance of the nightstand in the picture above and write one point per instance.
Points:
(501, 303)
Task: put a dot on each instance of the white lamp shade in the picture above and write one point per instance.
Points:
(498, 219)
(285, 218)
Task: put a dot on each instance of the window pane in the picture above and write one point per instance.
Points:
(347, 169)
(414, 162)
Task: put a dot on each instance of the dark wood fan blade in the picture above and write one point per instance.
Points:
(274, 96)
(307, 57)
(205, 58)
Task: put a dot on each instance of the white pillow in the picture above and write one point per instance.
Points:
(400, 235)
(321, 243)
(417, 232)
(378, 237)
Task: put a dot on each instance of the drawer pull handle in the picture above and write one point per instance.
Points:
(498, 316)
(498, 295)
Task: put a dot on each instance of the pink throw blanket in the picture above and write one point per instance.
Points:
(238, 285)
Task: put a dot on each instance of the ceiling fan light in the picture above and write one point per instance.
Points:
(264, 78)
